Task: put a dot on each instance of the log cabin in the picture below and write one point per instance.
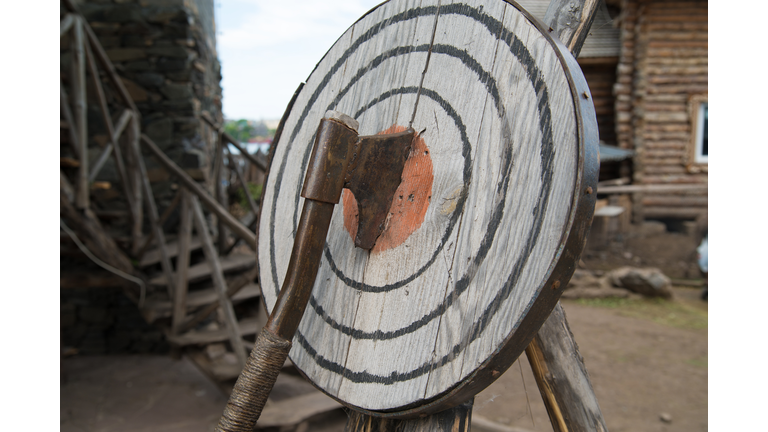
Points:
(646, 62)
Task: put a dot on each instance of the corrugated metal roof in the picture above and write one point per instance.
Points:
(603, 39)
(609, 153)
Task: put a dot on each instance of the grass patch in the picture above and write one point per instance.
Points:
(698, 362)
(666, 312)
(255, 190)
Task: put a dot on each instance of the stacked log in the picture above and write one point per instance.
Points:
(662, 66)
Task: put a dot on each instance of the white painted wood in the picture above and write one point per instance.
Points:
(449, 272)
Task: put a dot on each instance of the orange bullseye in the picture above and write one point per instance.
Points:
(410, 203)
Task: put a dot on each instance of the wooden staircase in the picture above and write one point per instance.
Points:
(198, 281)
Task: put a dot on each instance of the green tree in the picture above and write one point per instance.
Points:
(241, 130)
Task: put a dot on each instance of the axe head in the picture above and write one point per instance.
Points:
(370, 166)
(374, 174)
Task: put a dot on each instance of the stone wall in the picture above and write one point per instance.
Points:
(165, 52)
(104, 321)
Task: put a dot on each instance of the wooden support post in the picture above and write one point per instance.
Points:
(235, 167)
(562, 377)
(219, 283)
(456, 419)
(235, 225)
(153, 218)
(77, 83)
(182, 262)
(220, 191)
(135, 179)
(66, 23)
(74, 136)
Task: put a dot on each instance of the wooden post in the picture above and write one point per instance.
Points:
(74, 136)
(456, 419)
(135, 179)
(182, 263)
(220, 192)
(251, 203)
(218, 281)
(77, 83)
(562, 377)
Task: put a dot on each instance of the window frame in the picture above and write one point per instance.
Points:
(696, 162)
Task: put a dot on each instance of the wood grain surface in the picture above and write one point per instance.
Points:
(395, 328)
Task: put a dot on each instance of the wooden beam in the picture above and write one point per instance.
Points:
(218, 281)
(236, 168)
(66, 23)
(153, 218)
(106, 64)
(77, 82)
(650, 188)
(74, 136)
(182, 263)
(235, 225)
(135, 178)
(221, 194)
(562, 377)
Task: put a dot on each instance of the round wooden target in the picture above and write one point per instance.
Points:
(485, 229)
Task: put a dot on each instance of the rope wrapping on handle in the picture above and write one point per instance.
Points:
(254, 383)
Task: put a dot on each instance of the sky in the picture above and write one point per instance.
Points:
(266, 48)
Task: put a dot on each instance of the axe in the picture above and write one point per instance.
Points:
(369, 166)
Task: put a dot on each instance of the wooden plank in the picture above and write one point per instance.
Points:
(649, 188)
(235, 284)
(153, 256)
(562, 378)
(182, 264)
(163, 308)
(231, 325)
(204, 270)
(246, 326)
(74, 136)
(673, 212)
(66, 23)
(135, 176)
(210, 203)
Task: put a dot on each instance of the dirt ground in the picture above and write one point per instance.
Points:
(647, 359)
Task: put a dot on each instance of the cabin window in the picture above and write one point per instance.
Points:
(698, 151)
(701, 149)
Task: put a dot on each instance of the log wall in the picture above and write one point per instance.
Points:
(663, 63)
